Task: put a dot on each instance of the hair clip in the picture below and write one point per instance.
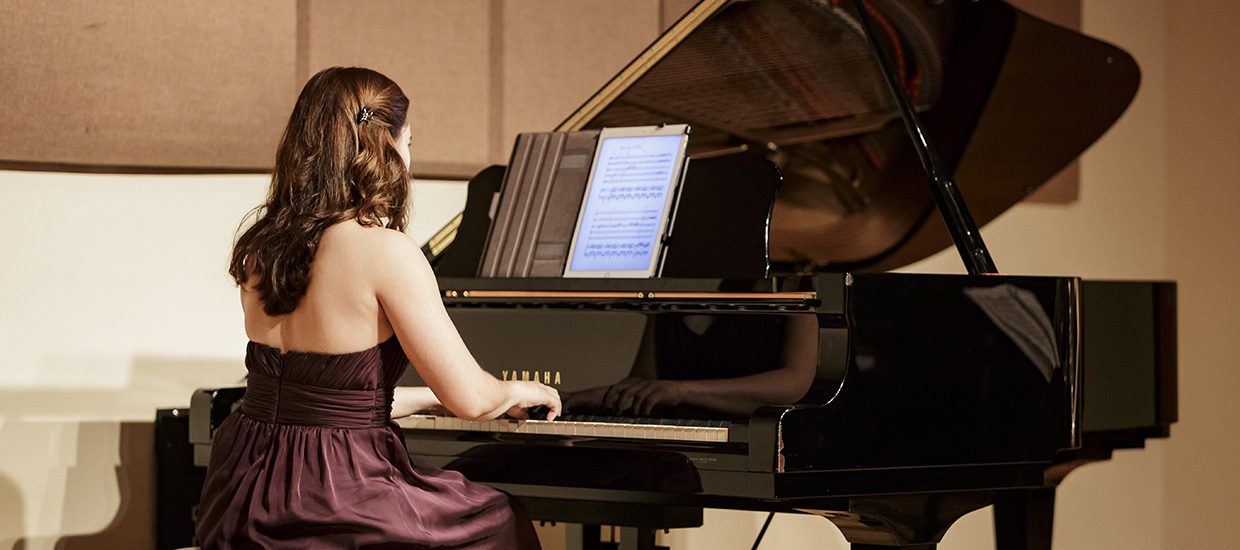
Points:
(364, 115)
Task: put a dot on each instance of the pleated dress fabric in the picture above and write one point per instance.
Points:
(312, 460)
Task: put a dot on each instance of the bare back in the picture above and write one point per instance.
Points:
(340, 312)
(368, 283)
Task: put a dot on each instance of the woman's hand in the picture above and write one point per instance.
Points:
(525, 395)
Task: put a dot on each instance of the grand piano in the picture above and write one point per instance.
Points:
(777, 364)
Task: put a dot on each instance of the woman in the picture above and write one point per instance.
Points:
(335, 298)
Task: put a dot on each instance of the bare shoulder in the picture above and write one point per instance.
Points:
(381, 252)
(350, 237)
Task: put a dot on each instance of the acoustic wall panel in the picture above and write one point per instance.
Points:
(557, 53)
(439, 54)
(145, 83)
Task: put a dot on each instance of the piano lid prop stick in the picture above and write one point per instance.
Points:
(946, 194)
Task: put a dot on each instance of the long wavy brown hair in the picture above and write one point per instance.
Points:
(337, 161)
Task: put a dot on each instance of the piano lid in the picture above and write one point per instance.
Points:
(1007, 99)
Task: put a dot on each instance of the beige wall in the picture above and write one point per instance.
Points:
(1202, 498)
(113, 302)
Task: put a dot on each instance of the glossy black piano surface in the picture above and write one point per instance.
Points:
(833, 372)
(961, 387)
(808, 380)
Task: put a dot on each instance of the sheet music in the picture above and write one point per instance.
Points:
(627, 203)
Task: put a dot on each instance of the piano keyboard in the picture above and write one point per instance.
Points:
(642, 428)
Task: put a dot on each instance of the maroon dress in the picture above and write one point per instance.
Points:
(312, 460)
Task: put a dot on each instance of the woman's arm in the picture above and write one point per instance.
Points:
(409, 295)
(414, 399)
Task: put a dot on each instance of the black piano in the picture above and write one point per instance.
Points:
(777, 364)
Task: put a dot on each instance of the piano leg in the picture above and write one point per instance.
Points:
(582, 537)
(589, 537)
(856, 546)
(636, 538)
(906, 522)
(1024, 519)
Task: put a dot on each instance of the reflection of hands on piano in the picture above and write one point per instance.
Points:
(646, 390)
(631, 396)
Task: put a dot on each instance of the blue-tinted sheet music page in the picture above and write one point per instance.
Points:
(627, 203)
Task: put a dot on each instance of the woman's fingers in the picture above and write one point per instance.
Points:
(518, 413)
(554, 405)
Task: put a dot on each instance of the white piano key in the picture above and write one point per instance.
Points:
(568, 428)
